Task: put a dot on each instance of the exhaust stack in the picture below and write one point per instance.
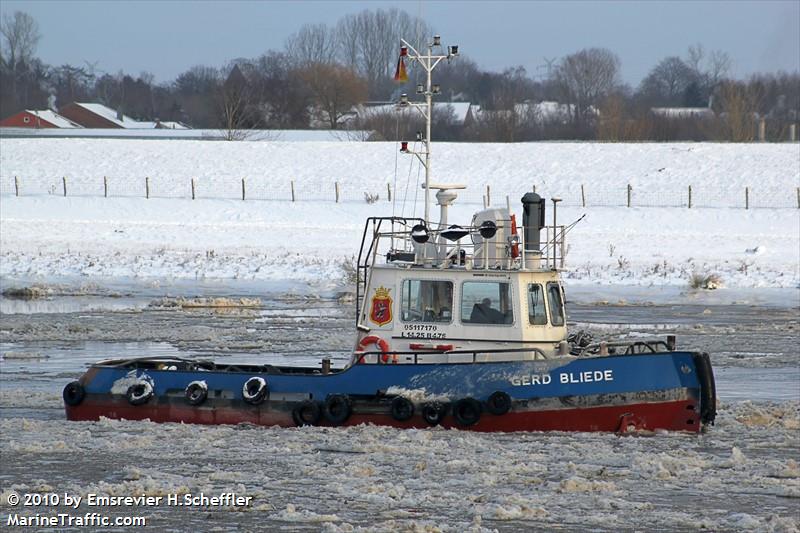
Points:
(532, 220)
(532, 224)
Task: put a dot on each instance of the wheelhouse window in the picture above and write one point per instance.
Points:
(556, 304)
(484, 302)
(427, 301)
(537, 315)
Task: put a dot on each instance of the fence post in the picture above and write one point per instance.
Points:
(147, 187)
(488, 196)
(793, 132)
(192, 188)
(690, 196)
(105, 186)
(389, 191)
(243, 190)
(16, 186)
(484, 202)
(629, 194)
(292, 183)
(747, 197)
(336, 187)
(762, 130)
(64, 181)
(583, 196)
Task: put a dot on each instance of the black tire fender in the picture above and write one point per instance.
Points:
(402, 409)
(434, 412)
(74, 393)
(499, 403)
(337, 408)
(307, 413)
(255, 390)
(467, 411)
(140, 392)
(196, 392)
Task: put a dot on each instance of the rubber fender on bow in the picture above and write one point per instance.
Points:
(196, 392)
(708, 387)
(255, 390)
(467, 411)
(499, 403)
(337, 408)
(307, 413)
(74, 393)
(140, 392)
(434, 412)
(402, 409)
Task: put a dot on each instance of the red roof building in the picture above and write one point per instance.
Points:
(90, 115)
(37, 119)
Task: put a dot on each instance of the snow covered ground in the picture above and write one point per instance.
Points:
(45, 236)
(194, 134)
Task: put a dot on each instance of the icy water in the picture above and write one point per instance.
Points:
(742, 474)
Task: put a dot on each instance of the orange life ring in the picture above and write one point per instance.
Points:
(515, 246)
(382, 345)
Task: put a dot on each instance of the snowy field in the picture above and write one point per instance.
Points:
(44, 235)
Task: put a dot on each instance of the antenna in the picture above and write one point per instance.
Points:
(428, 62)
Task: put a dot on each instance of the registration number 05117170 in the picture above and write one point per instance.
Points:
(421, 331)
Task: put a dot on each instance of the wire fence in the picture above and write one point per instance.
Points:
(263, 188)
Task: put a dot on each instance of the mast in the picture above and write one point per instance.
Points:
(428, 62)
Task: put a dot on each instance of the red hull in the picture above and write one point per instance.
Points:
(680, 415)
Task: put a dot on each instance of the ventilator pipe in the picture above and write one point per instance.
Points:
(532, 220)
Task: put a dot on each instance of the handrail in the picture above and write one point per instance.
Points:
(652, 345)
(371, 249)
(359, 354)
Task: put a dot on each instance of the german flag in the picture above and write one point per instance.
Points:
(400, 74)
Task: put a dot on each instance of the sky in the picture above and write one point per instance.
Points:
(168, 37)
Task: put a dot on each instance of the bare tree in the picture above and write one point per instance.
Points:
(234, 99)
(313, 43)
(614, 121)
(709, 69)
(719, 63)
(667, 82)
(459, 79)
(508, 113)
(282, 95)
(740, 103)
(70, 83)
(585, 78)
(20, 36)
(694, 57)
(369, 43)
(335, 90)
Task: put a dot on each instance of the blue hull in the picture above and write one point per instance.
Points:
(673, 389)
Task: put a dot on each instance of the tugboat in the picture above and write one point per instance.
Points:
(461, 326)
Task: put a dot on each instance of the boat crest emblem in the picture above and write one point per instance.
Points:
(381, 310)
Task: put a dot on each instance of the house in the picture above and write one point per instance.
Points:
(461, 111)
(682, 112)
(46, 118)
(170, 125)
(91, 115)
(545, 112)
